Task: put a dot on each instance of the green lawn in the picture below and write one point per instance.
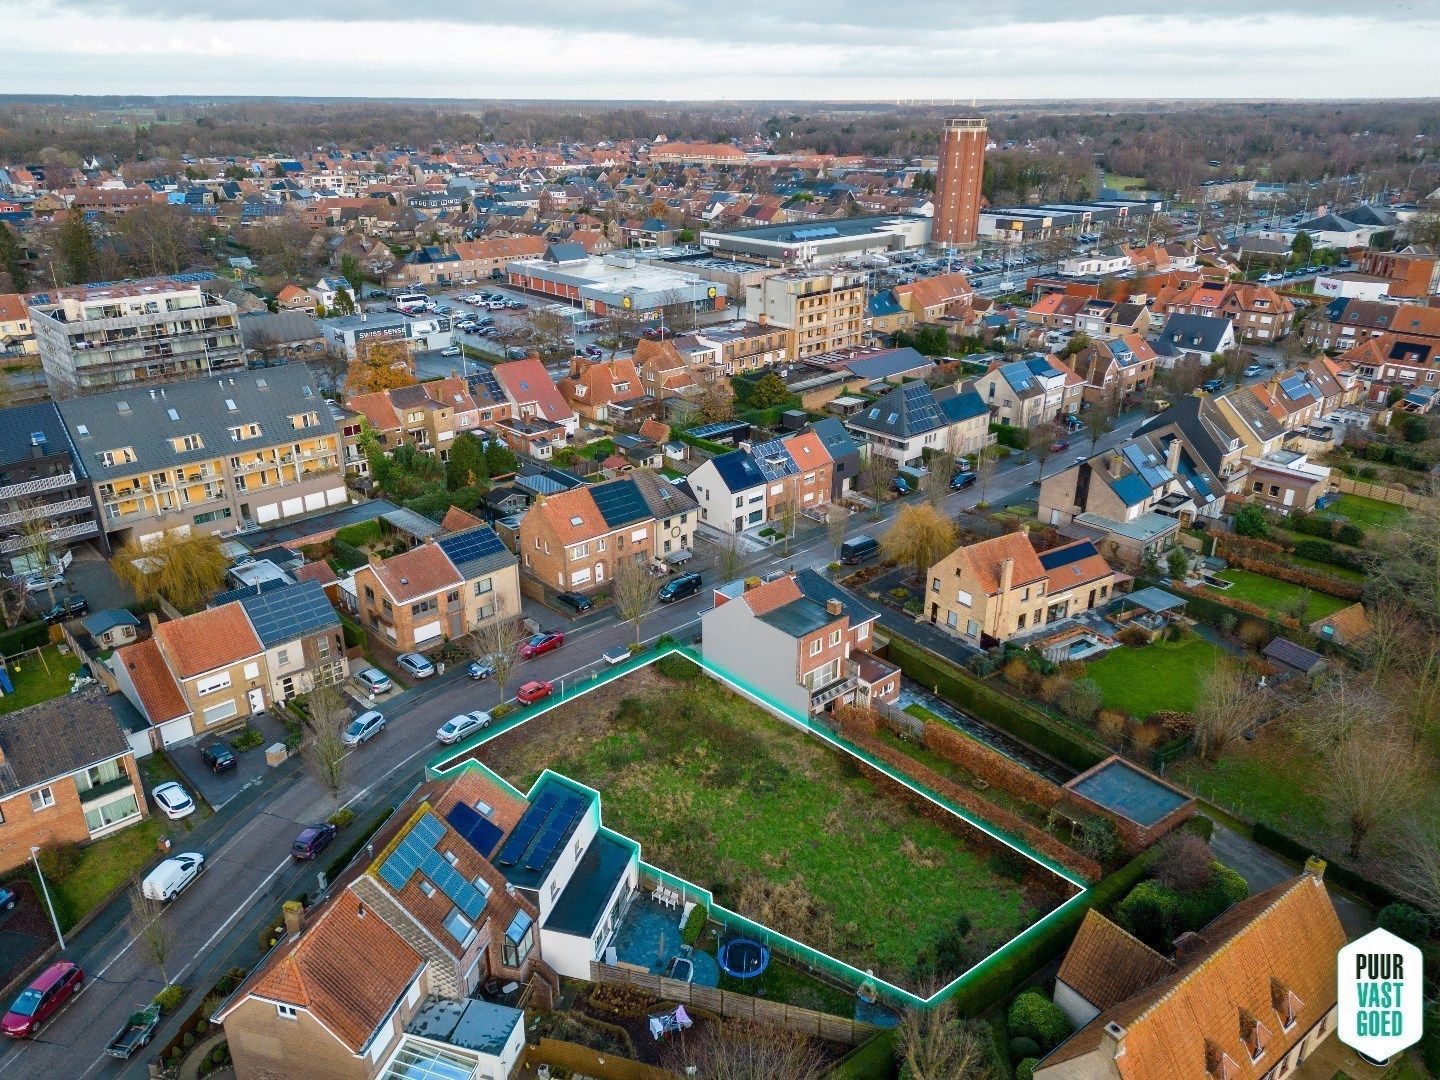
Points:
(34, 683)
(1164, 675)
(104, 866)
(1120, 183)
(720, 793)
(1278, 596)
(1367, 513)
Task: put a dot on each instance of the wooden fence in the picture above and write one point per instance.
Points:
(582, 1061)
(739, 1006)
(1386, 493)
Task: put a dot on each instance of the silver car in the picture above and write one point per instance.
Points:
(459, 727)
(363, 728)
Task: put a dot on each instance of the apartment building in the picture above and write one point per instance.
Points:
(216, 454)
(734, 348)
(1029, 392)
(988, 592)
(912, 418)
(439, 590)
(41, 477)
(1252, 995)
(573, 540)
(94, 338)
(820, 312)
(800, 641)
(69, 776)
(427, 416)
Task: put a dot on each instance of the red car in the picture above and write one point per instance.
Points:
(533, 691)
(42, 999)
(542, 643)
(1059, 445)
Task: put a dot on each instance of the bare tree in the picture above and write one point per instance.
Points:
(739, 1050)
(918, 538)
(985, 461)
(550, 332)
(835, 522)
(1044, 437)
(633, 590)
(14, 602)
(1342, 705)
(1417, 865)
(1229, 704)
(935, 484)
(786, 520)
(936, 1044)
(38, 540)
(496, 644)
(876, 472)
(730, 557)
(1371, 782)
(1102, 416)
(323, 750)
(150, 926)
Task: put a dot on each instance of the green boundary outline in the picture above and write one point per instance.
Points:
(456, 758)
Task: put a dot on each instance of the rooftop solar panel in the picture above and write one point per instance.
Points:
(620, 503)
(470, 546)
(476, 830)
(289, 613)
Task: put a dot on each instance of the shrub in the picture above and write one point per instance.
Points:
(187, 1040)
(1098, 839)
(1150, 911)
(1016, 673)
(694, 924)
(170, 998)
(1025, 1070)
(1110, 725)
(1254, 634)
(677, 667)
(1133, 637)
(247, 738)
(341, 817)
(1034, 1016)
(60, 861)
(1082, 700)
(499, 712)
(1022, 1048)
(1250, 521)
(1052, 687)
(1406, 922)
(1184, 862)
(347, 556)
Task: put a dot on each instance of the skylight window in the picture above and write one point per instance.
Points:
(172, 414)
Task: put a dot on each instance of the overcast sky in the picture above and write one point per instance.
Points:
(698, 49)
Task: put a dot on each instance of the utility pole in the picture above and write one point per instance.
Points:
(35, 856)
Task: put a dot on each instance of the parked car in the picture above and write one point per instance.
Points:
(67, 607)
(533, 691)
(450, 350)
(458, 727)
(8, 899)
(42, 999)
(899, 486)
(374, 680)
(312, 840)
(1252, 370)
(363, 728)
(173, 876)
(575, 601)
(174, 801)
(593, 351)
(678, 588)
(481, 669)
(1059, 445)
(219, 756)
(43, 581)
(544, 642)
(416, 665)
(1210, 386)
(961, 480)
(656, 333)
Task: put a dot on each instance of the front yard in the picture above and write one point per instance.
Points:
(36, 680)
(1165, 675)
(1279, 596)
(101, 867)
(779, 826)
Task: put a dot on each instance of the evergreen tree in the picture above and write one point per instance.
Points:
(467, 466)
(12, 259)
(77, 248)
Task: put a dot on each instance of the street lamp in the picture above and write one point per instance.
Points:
(35, 856)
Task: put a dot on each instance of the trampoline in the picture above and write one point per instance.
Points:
(744, 958)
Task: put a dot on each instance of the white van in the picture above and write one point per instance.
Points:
(172, 876)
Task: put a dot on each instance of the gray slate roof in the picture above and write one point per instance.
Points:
(20, 425)
(56, 738)
(133, 418)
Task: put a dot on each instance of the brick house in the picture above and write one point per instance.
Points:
(67, 775)
(1028, 392)
(592, 387)
(438, 590)
(1260, 314)
(1250, 996)
(991, 591)
(1114, 370)
(294, 298)
(300, 631)
(427, 416)
(574, 539)
(799, 640)
(218, 665)
(533, 395)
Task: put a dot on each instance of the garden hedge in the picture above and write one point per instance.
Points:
(29, 635)
(1077, 750)
(873, 1059)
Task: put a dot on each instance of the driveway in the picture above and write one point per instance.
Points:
(90, 575)
(1261, 868)
(217, 789)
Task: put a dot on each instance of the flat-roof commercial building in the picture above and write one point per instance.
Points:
(99, 337)
(616, 282)
(1026, 224)
(806, 242)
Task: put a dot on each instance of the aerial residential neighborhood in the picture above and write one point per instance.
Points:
(737, 544)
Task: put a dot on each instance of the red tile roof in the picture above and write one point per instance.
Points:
(421, 571)
(208, 640)
(154, 684)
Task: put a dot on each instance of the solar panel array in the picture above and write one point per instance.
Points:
(290, 613)
(542, 831)
(920, 408)
(526, 828)
(486, 384)
(620, 503)
(555, 832)
(471, 546)
(773, 459)
(417, 853)
(474, 828)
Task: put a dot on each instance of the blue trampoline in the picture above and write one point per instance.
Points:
(744, 958)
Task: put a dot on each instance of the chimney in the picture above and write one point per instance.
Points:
(1007, 575)
(154, 621)
(1112, 1040)
(1185, 946)
(834, 607)
(1172, 455)
(374, 559)
(294, 917)
(1315, 867)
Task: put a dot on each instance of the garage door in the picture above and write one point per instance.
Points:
(427, 632)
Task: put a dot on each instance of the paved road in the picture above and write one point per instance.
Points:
(248, 869)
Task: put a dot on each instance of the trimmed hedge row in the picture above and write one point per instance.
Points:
(29, 635)
(989, 765)
(1326, 552)
(873, 1059)
(1373, 891)
(1078, 751)
(1004, 976)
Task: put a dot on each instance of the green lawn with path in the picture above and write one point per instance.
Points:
(1164, 675)
(1279, 596)
(102, 866)
(36, 680)
(1367, 513)
(722, 794)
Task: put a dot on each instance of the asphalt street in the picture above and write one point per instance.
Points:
(249, 872)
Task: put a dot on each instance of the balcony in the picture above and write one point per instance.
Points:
(68, 506)
(109, 787)
(64, 534)
(830, 691)
(34, 487)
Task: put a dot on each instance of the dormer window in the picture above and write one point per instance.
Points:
(1255, 1035)
(1285, 1004)
(1219, 1064)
